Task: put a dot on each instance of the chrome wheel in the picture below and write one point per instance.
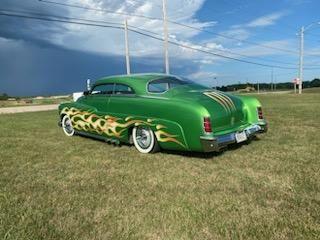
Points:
(144, 139)
(67, 126)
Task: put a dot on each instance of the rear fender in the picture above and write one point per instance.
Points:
(169, 134)
(250, 108)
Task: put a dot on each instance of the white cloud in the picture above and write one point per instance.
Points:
(111, 41)
(214, 45)
(267, 20)
(259, 50)
(230, 35)
(203, 75)
(204, 61)
(207, 78)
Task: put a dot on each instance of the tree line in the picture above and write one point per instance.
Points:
(267, 86)
(235, 87)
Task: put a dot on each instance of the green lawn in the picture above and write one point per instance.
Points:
(55, 187)
(32, 102)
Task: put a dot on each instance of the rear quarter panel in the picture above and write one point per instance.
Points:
(250, 105)
(177, 124)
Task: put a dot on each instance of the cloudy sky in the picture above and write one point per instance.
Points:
(40, 57)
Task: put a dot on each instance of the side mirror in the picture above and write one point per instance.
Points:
(86, 93)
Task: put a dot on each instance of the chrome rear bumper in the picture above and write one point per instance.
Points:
(216, 143)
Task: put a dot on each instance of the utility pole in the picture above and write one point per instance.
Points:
(301, 34)
(165, 35)
(272, 79)
(127, 46)
(88, 84)
(258, 87)
(301, 58)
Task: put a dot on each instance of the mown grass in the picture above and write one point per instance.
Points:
(55, 187)
(32, 101)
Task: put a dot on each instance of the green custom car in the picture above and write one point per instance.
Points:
(156, 111)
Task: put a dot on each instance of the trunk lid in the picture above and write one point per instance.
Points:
(226, 110)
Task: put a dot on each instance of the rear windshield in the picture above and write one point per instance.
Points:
(164, 84)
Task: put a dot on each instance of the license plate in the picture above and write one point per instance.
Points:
(241, 136)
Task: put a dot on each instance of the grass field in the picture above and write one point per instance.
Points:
(32, 101)
(54, 187)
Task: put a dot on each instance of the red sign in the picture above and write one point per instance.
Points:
(296, 81)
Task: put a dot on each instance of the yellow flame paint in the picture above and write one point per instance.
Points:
(112, 126)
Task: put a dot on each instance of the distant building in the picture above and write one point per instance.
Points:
(247, 89)
(62, 96)
(39, 97)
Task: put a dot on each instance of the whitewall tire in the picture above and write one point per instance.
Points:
(67, 126)
(144, 140)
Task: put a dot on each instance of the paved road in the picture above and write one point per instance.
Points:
(28, 108)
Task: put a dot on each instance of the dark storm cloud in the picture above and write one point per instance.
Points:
(30, 64)
(30, 30)
(42, 71)
(27, 69)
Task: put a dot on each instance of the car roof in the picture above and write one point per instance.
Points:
(137, 81)
(128, 78)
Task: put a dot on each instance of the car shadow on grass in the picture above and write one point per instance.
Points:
(210, 155)
(188, 154)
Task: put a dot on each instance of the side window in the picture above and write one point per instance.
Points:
(163, 84)
(158, 86)
(122, 89)
(102, 89)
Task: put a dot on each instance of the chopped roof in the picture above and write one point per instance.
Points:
(136, 81)
(124, 78)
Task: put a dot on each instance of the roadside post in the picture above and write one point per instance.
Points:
(88, 84)
(296, 82)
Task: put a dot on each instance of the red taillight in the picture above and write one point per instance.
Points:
(260, 114)
(207, 125)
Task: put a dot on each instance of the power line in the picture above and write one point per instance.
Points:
(144, 2)
(145, 30)
(72, 18)
(243, 55)
(142, 29)
(58, 20)
(211, 53)
(233, 38)
(231, 52)
(173, 22)
(100, 10)
(59, 16)
(228, 51)
(144, 34)
(218, 14)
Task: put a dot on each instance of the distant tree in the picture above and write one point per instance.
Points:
(4, 96)
(266, 86)
(315, 82)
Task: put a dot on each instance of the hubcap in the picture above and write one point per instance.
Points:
(143, 138)
(68, 126)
